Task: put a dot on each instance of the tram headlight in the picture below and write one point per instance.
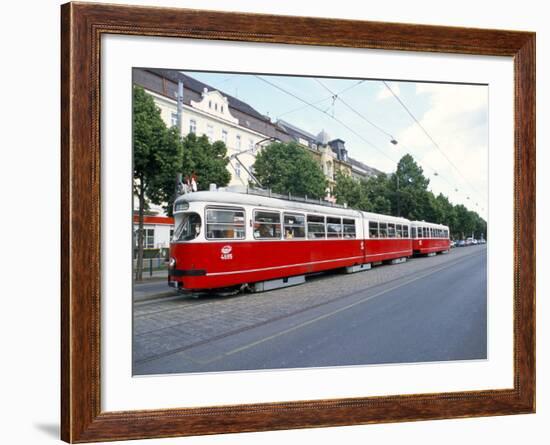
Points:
(172, 263)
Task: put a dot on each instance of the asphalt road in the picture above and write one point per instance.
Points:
(427, 309)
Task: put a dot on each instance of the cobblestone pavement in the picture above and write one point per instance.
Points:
(164, 327)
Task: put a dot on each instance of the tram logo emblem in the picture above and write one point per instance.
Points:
(226, 253)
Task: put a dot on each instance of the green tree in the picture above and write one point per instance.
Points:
(208, 161)
(350, 191)
(409, 190)
(288, 168)
(157, 155)
(377, 189)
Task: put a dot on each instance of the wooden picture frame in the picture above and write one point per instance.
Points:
(82, 26)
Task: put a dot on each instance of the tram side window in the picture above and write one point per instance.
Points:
(349, 228)
(399, 231)
(267, 225)
(383, 232)
(391, 230)
(224, 224)
(294, 226)
(413, 232)
(405, 231)
(373, 229)
(446, 232)
(315, 226)
(334, 227)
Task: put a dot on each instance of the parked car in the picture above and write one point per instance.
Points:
(453, 243)
(474, 241)
(461, 243)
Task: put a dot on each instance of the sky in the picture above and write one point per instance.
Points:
(452, 151)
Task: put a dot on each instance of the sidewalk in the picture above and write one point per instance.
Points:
(157, 274)
(152, 287)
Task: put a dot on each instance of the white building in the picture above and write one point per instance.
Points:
(207, 111)
(157, 232)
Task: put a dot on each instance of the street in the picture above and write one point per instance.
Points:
(426, 309)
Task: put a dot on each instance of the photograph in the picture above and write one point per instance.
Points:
(292, 221)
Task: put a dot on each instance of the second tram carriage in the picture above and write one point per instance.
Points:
(227, 239)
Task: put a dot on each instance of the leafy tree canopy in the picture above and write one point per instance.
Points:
(288, 168)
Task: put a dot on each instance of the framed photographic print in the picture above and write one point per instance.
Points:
(274, 222)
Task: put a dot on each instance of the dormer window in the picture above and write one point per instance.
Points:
(216, 107)
(221, 108)
(209, 104)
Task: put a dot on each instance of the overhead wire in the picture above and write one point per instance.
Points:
(409, 112)
(376, 126)
(327, 114)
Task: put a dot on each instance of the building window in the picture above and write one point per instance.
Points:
(238, 142)
(238, 169)
(224, 136)
(209, 104)
(174, 119)
(224, 224)
(251, 144)
(221, 108)
(210, 132)
(267, 225)
(193, 126)
(148, 238)
(216, 106)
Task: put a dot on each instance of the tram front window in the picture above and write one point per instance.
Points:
(189, 227)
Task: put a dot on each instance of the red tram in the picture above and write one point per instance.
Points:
(226, 239)
(429, 238)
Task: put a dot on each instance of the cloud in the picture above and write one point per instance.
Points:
(385, 93)
(457, 119)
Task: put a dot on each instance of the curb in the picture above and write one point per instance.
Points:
(170, 293)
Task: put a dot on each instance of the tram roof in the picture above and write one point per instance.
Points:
(428, 224)
(238, 198)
